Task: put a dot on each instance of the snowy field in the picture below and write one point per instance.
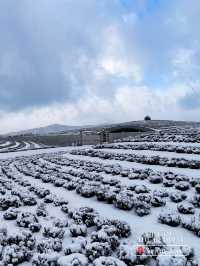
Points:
(12, 146)
(107, 205)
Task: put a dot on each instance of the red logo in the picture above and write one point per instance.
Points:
(140, 250)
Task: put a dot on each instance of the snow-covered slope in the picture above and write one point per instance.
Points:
(54, 128)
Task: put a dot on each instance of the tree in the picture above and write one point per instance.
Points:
(147, 118)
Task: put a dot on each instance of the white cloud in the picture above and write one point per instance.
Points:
(127, 104)
(183, 56)
(115, 57)
(84, 62)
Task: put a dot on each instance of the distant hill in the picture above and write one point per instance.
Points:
(132, 125)
(54, 128)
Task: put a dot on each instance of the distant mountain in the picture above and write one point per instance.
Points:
(132, 125)
(54, 128)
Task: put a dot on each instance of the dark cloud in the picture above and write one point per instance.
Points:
(42, 46)
(50, 51)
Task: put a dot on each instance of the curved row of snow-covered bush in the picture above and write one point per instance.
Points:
(81, 237)
(109, 190)
(167, 179)
(157, 137)
(10, 146)
(150, 146)
(143, 159)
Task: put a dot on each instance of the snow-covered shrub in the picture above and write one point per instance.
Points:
(42, 192)
(49, 198)
(2, 191)
(58, 182)
(124, 201)
(157, 201)
(65, 208)
(78, 230)
(29, 201)
(60, 201)
(182, 185)
(187, 251)
(177, 197)
(155, 179)
(108, 261)
(169, 259)
(197, 188)
(123, 228)
(110, 194)
(41, 210)
(23, 238)
(13, 255)
(180, 178)
(86, 190)
(70, 185)
(77, 246)
(45, 259)
(194, 181)
(143, 197)
(186, 208)
(35, 227)
(28, 220)
(141, 189)
(10, 214)
(97, 249)
(168, 183)
(106, 234)
(192, 224)
(49, 245)
(127, 254)
(133, 175)
(110, 181)
(54, 232)
(60, 223)
(85, 215)
(142, 208)
(101, 191)
(169, 217)
(195, 200)
(75, 259)
(8, 201)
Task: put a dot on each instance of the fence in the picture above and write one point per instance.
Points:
(75, 139)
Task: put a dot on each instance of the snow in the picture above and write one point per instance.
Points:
(6, 143)
(155, 153)
(45, 197)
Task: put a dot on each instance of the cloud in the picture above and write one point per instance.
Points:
(46, 49)
(98, 61)
(123, 107)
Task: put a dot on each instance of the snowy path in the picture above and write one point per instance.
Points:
(14, 154)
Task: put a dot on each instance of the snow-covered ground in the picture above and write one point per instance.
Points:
(14, 146)
(6, 143)
(20, 146)
(38, 187)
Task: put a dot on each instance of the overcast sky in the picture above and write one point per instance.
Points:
(95, 61)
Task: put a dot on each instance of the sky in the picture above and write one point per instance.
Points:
(79, 62)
